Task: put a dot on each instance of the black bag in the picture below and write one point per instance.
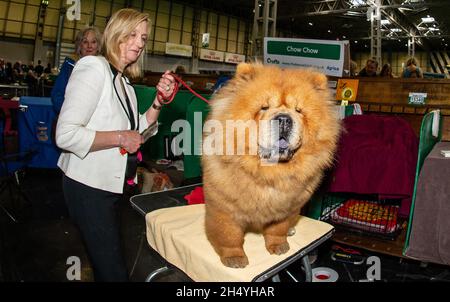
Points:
(132, 164)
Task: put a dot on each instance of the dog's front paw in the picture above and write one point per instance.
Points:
(235, 262)
(291, 231)
(278, 249)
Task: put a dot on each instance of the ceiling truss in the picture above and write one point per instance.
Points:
(393, 10)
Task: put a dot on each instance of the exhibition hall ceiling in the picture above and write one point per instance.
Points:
(427, 21)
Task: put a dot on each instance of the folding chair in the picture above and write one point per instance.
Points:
(12, 162)
(178, 235)
(430, 134)
(10, 167)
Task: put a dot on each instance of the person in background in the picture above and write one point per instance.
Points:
(39, 69)
(31, 65)
(221, 81)
(9, 73)
(412, 70)
(18, 75)
(353, 68)
(87, 43)
(25, 68)
(180, 70)
(32, 81)
(2, 71)
(48, 69)
(370, 70)
(386, 71)
(99, 130)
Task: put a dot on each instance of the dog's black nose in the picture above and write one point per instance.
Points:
(284, 123)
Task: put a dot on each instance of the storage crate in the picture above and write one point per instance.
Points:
(362, 213)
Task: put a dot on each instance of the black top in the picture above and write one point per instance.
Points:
(363, 73)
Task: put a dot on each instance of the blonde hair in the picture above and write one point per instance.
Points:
(80, 36)
(411, 61)
(117, 31)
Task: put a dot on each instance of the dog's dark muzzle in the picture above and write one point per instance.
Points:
(284, 124)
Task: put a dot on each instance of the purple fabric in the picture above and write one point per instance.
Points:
(377, 155)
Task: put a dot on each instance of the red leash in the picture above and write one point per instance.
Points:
(178, 81)
(163, 101)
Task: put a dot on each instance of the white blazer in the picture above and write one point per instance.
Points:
(91, 104)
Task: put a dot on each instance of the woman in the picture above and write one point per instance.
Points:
(386, 71)
(98, 119)
(412, 70)
(87, 43)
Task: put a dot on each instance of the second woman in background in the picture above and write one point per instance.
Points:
(87, 43)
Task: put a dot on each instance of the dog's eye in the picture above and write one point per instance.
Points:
(299, 110)
(264, 108)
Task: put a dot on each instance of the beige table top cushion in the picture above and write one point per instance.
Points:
(178, 235)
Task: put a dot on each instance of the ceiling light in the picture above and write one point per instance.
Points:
(357, 2)
(352, 13)
(310, 24)
(428, 20)
(385, 21)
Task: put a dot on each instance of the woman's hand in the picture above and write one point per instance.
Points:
(166, 84)
(130, 140)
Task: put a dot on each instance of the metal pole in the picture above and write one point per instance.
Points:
(375, 31)
(62, 14)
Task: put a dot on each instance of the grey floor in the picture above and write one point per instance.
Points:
(37, 247)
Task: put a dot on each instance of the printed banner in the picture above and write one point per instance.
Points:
(326, 56)
(234, 58)
(212, 55)
(178, 50)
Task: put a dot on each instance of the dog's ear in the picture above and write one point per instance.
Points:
(246, 71)
(319, 80)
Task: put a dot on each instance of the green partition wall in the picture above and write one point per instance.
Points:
(184, 107)
(197, 109)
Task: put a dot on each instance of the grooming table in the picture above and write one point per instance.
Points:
(176, 231)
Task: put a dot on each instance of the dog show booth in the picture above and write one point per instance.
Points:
(36, 131)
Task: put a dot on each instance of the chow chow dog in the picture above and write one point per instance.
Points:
(260, 182)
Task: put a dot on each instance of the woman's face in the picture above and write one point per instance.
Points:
(89, 45)
(135, 44)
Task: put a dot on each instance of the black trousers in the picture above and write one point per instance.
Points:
(94, 211)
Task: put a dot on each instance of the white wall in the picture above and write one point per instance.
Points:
(163, 63)
(13, 52)
(16, 51)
